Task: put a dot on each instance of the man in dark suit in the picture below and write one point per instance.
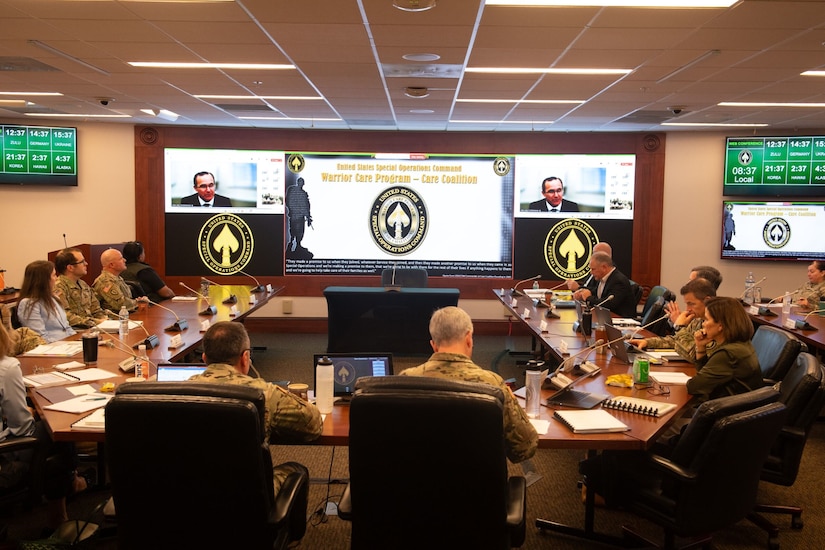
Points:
(205, 192)
(553, 190)
(611, 281)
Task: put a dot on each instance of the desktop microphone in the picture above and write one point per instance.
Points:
(802, 324)
(392, 287)
(568, 364)
(151, 341)
(210, 309)
(600, 304)
(515, 292)
(65, 244)
(765, 311)
(232, 298)
(635, 332)
(178, 325)
(128, 365)
(258, 286)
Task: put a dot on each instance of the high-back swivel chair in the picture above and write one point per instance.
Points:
(776, 350)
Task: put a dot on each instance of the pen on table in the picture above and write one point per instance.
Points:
(95, 399)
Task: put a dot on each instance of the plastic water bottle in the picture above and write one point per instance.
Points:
(142, 363)
(324, 381)
(749, 284)
(123, 327)
(786, 303)
(536, 285)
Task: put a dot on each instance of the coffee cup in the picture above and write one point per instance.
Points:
(299, 389)
(90, 341)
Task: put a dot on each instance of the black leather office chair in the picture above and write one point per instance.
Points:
(711, 478)
(655, 319)
(189, 468)
(776, 350)
(656, 292)
(428, 467)
(637, 291)
(404, 277)
(802, 390)
(20, 483)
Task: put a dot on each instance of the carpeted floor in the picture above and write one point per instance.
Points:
(554, 496)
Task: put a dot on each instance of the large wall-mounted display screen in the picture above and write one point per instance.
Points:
(320, 213)
(775, 166)
(773, 230)
(38, 155)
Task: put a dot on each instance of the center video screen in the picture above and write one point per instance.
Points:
(357, 214)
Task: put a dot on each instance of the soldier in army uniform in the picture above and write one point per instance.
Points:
(811, 293)
(695, 293)
(77, 298)
(290, 419)
(110, 287)
(451, 330)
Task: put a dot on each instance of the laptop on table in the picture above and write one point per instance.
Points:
(569, 397)
(349, 367)
(621, 349)
(178, 372)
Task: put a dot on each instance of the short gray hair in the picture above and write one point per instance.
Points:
(602, 258)
(450, 324)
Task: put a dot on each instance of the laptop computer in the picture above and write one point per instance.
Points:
(568, 397)
(620, 348)
(178, 372)
(349, 367)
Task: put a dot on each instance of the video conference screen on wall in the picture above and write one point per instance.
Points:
(359, 213)
(773, 230)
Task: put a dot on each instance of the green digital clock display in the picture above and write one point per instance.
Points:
(38, 155)
(790, 166)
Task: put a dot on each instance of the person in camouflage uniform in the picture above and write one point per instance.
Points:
(77, 298)
(290, 419)
(811, 293)
(110, 287)
(695, 294)
(451, 330)
(23, 339)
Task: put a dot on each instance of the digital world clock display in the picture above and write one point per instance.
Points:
(789, 166)
(38, 155)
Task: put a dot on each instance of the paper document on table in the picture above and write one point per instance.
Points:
(94, 422)
(669, 378)
(113, 325)
(540, 425)
(43, 379)
(184, 298)
(81, 403)
(71, 365)
(57, 349)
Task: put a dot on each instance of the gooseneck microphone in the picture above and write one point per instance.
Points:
(128, 365)
(232, 298)
(178, 325)
(151, 341)
(742, 296)
(516, 292)
(600, 304)
(568, 364)
(765, 311)
(653, 322)
(210, 309)
(65, 243)
(802, 324)
(258, 286)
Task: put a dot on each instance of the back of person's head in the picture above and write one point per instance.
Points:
(6, 345)
(225, 342)
(449, 324)
(701, 289)
(64, 259)
(728, 312)
(709, 273)
(603, 246)
(132, 251)
(602, 258)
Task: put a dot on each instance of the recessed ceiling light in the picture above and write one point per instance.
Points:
(769, 104)
(414, 5)
(422, 111)
(616, 3)
(416, 92)
(166, 65)
(539, 70)
(421, 57)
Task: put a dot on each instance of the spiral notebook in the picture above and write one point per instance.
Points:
(590, 421)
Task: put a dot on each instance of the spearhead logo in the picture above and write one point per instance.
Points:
(398, 220)
(225, 244)
(568, 247)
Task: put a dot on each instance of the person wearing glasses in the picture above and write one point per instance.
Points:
(139, 273)
(39, 309)
(552, 189)
(205, 195)
(76, 296)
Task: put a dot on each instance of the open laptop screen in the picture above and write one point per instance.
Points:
(178, 372)
(349, 367)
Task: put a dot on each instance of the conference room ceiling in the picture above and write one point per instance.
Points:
(350, 71)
